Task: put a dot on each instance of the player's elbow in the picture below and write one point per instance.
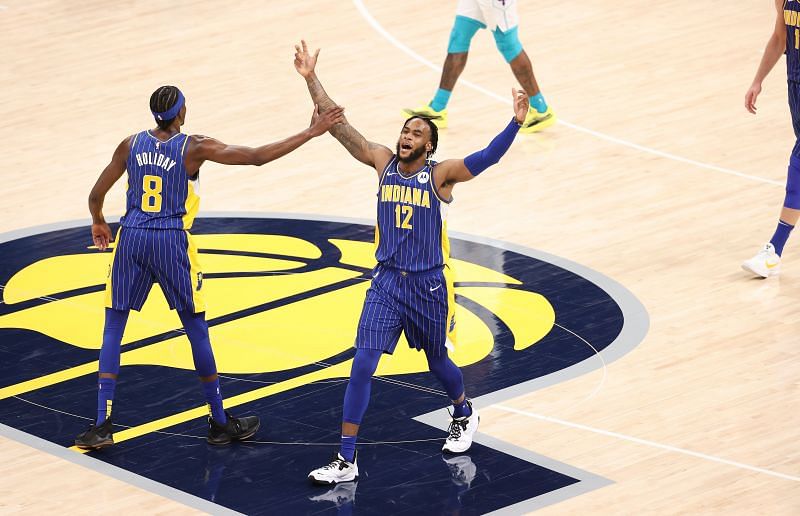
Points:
(262, 160)
(95, 198)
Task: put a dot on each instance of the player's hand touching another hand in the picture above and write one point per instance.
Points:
(521, 104)
(304, 62)
(101, 235)
(322, 122)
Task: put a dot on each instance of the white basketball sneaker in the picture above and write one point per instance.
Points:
(339, 470)
(460, 432)
(765, 263)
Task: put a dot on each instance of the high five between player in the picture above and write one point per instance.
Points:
(154, 245)
(412, 287)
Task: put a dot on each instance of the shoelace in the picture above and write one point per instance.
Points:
(456, 427)
(336, 463)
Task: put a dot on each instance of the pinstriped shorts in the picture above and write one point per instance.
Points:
(418, 304)
(143, 257)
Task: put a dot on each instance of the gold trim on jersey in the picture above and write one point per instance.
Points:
(435, 189)
(109, 289)
(195, 275)
(452, 327)
(191, 205)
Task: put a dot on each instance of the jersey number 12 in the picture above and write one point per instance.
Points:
(402, 216)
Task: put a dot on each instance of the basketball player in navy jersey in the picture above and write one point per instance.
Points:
(153, 244)
(785, 39)
(412, 287)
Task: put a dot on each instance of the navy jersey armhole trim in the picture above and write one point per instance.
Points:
(385, 170)
(436, 188)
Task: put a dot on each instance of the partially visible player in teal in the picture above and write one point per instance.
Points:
(785, 39)
(153, 245)
(501, 18)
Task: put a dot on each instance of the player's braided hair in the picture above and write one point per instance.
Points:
(434, 131)
(161, 100)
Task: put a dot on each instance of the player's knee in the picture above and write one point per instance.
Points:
(508, 43)
(440, 365)
(364, 364)
(460, 37)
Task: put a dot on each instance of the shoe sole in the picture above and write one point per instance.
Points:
(438, 121)
(100, 446)
(539, 126)
(410, 112)
(771, 273)
(249, 435)
(240, 438)
(455, 452)
(330, 482)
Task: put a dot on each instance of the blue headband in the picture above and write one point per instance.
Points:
(173, 111)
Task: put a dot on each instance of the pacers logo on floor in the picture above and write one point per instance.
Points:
(283, 298)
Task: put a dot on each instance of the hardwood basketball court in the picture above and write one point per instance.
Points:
(655, 177)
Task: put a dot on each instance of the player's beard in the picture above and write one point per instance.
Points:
(414, 156)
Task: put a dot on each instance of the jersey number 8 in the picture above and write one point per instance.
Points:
(151, 198)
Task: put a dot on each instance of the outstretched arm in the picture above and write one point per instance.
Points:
(202, 148)
(369, 153)
(101, 233)
(453, 171)
(776, 46)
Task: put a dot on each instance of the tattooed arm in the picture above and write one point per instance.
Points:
(369, 153)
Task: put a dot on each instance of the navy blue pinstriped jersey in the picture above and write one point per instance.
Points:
(411, 234)
(791, 15)
(160, 194)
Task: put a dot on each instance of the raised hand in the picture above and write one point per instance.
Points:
(751, 96)
(101, 235)
(304, 62)
(521, 104)
(321, 123)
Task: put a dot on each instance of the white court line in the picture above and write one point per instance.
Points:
(645, 442)
(394, 41)
(597, 353)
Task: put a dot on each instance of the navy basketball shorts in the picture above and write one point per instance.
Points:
(145, 256)
(794, 109)
(422, 305)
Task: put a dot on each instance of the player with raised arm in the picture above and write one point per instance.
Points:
(153, 244)
(412, 287)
